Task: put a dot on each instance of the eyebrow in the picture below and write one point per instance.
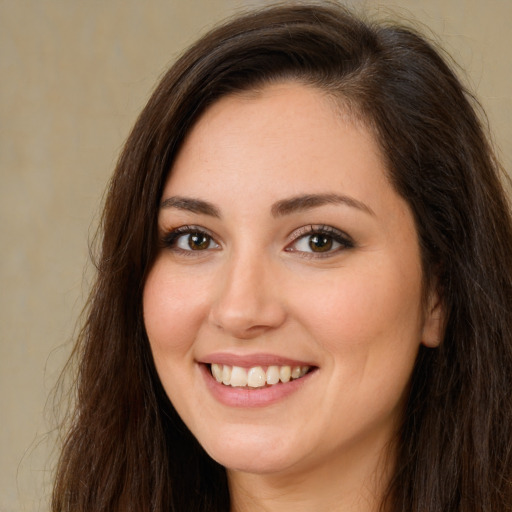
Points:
(191, 205)
(278, 209)
(308, 201)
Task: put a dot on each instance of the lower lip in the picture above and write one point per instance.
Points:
(252, 397)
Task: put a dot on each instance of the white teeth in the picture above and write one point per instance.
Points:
(285, 373)
(238, 377)
(217, 372)
(295, 372)
(226, 375)
(272, 374)
(256, 377)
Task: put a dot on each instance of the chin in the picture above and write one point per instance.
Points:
(254, 463)
(252, 452)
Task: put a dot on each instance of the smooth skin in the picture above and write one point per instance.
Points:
(254, 268)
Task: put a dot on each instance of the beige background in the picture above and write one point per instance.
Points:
(74, 75)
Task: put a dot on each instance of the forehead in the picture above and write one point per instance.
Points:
(282, 139)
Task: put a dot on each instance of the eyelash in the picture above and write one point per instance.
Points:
(333, 236)
(171, 239)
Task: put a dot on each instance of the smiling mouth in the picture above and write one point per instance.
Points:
(256, 376)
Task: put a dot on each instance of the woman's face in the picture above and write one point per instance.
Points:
(290, 269)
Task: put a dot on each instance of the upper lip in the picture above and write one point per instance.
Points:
(251, 360)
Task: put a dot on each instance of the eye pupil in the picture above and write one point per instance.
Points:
(198, 241)
(320, 243)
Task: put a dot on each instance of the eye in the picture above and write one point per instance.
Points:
(319, 241)
(189, 239)
(194, 242)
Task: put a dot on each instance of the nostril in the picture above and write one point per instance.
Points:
(244, 325)
(247, 303)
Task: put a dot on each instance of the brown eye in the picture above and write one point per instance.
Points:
(198, 241)
(189, 239)
(320, 242)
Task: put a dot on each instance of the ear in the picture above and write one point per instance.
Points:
(433, 324)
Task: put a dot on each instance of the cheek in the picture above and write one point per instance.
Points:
(369, 324)
(173, 310)
(368, 321)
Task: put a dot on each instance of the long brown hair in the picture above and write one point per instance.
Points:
(127, 450)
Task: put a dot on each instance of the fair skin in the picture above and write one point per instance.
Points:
(285, 246)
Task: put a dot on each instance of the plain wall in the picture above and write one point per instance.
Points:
(74, 75)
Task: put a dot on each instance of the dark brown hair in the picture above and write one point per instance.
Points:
(127, 450)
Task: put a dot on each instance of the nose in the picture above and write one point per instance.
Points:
(250, 300)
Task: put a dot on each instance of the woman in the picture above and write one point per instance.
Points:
(304, 289)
